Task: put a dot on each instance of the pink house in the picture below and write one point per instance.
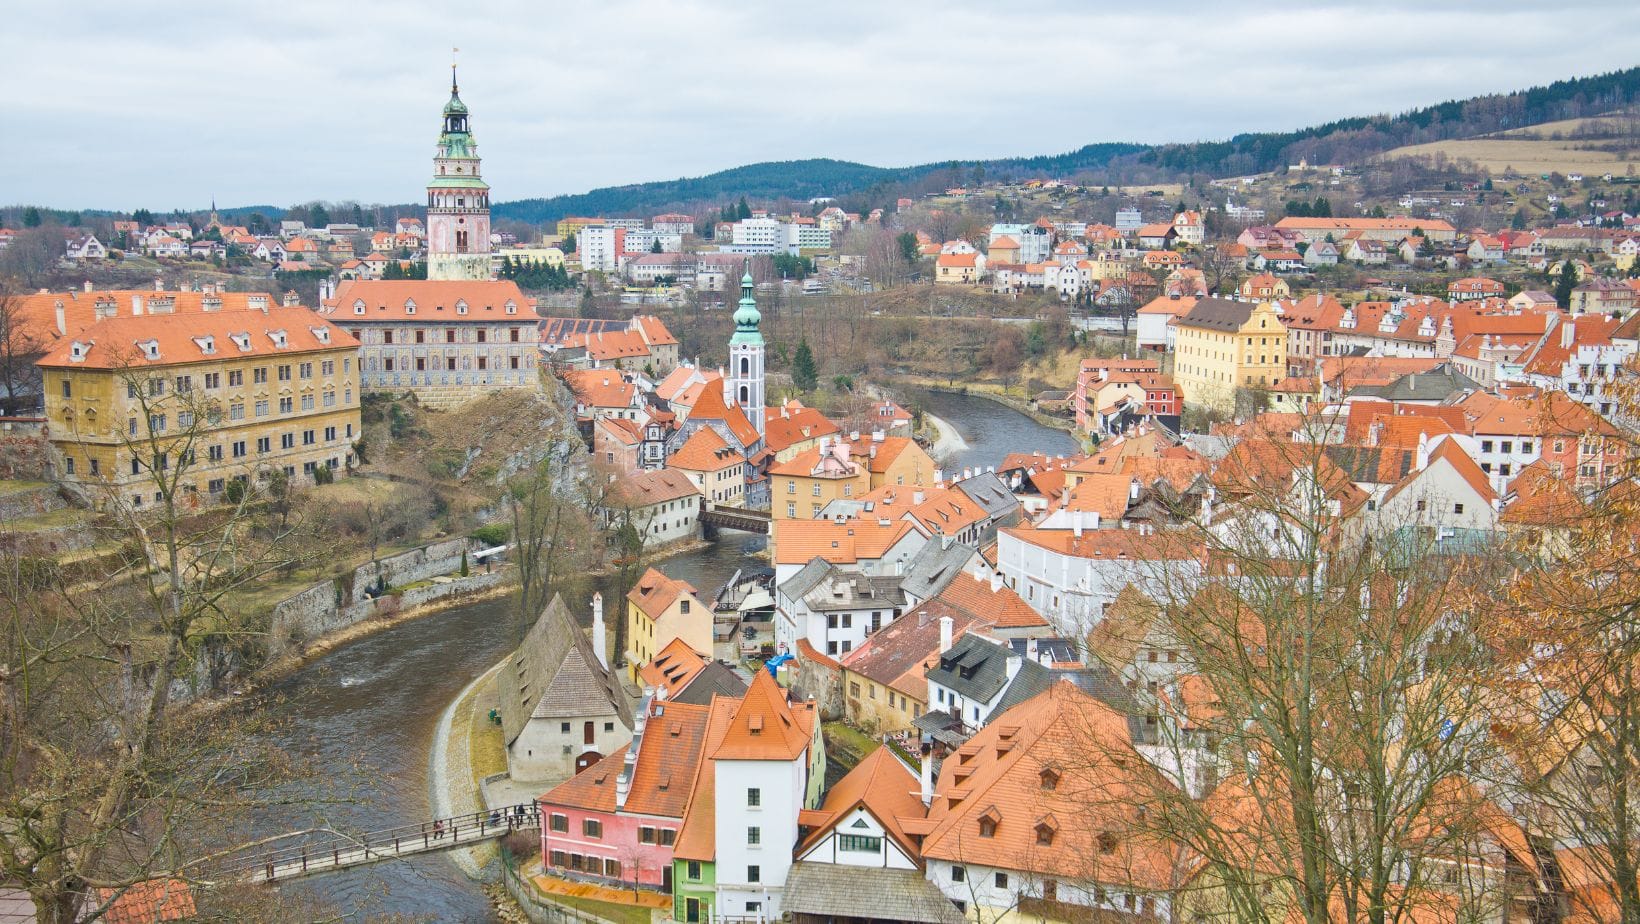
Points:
(617, 820)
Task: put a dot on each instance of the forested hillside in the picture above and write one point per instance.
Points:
(1349, 140)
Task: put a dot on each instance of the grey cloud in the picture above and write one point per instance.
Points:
(251, 103)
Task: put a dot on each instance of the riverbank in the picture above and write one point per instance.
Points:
(452, 788)
(993, 394)
(287, 664)
(949, 442)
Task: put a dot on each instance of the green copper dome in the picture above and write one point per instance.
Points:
(747, 316)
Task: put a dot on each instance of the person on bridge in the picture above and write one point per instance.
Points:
(438, 829)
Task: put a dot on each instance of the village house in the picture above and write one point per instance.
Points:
(662, 505)
(659, 611)
(562, 710)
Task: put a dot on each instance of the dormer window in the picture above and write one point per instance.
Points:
(358, 306)
(512, 308)
(77, 351)
(461, 306)
(1049, 778)
(988, 823)
(1107, 842)
(206, 344)
(322, 334)
(241, 340)
(149, 348)
(278, 338)
(1044, 834)
(409, 306)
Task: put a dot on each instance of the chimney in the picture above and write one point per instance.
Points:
(600, 641)
(996, 581)
(136, 305)
(917, 497)
(946, 624)
(1423, 451)
(1076, 523)
(159, 284)
(62, 319)
(939, 476)
(1133, 490)
(1566, 329)
(88, 285)
(927, 774)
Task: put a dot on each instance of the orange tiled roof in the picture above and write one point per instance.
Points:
(435, 301)
(883, 786)
(1107, 544)
(667, 763)
(765, 727)
(797, 542)
(649, 488)
(1085, 746)
(195, 338)
(1537, 497)
(655, 592)
(697, 839)
(705, 451)
(783, 430)
(149, 902)
(1104, 493)
(599, 387)
(673, 667)
(712, 406)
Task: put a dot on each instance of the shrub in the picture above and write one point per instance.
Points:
(324, 474)
(492, 534)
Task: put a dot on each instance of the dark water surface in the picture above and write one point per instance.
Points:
(991, 430)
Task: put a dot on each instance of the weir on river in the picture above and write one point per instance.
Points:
(364, 713)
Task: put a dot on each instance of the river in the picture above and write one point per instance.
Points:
(364, 713)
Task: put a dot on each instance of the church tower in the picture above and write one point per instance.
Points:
(746, 356)
(458, 202)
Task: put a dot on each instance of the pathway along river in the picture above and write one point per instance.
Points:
(363, 715)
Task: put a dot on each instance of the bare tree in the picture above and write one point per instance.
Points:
(103, 783)
(22, 341)
(1327, 695)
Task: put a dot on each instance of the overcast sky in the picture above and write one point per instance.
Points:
(121, 105)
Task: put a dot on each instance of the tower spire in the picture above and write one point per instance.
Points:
(453, 53)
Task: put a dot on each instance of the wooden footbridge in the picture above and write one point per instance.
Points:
(337, 851)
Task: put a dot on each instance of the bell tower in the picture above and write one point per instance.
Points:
(458, 201)
(746, 355)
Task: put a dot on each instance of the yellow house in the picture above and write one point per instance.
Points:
(213, 397)
(660, 610)
(1225, 345)
(959, 268)
(845, 468)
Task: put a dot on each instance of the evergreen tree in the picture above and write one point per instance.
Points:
(1566, 282)
(318, 217)
(144, 218)
(909, 250)
(744, 211)
(804, 375)
(31, 217)
(656, 247)
(1518, 222)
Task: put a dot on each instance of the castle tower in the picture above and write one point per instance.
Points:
(746, 356)
(458, 202)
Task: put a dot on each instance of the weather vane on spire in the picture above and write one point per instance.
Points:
(453, 53)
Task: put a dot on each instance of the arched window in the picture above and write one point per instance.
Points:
(745, 365)
(745, 394)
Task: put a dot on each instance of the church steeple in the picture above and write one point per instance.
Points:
(746, 357)
(747, 317)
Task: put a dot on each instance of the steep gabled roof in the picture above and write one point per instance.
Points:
(654, 592)
(712, 406)
(764, 726)
(555, 673)
(883, 786)
(697, 839)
